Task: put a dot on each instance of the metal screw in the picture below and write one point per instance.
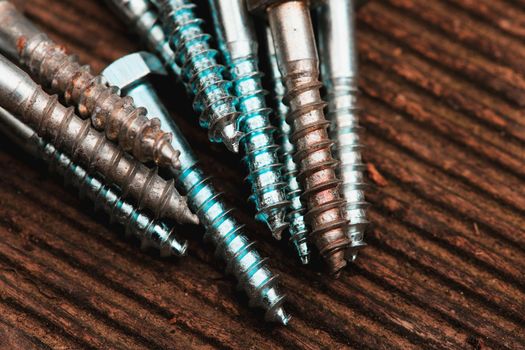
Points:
(339, 74)
(242, 260)
(238, 43)
(120, 119)
(23, 97)
(200, 71)
(296, 53)
(296, 209)
(150, 232)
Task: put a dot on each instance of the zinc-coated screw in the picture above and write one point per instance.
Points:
(150, 232)
(200, 72)
(339, 74)
(295, 213)
(296, 52)
(120, 119)
(238, 43)
(23, 97)
(242, 260)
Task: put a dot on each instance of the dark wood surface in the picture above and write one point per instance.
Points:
(443, 91)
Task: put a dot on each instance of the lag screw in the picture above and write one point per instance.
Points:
(296, 53)
(120, 119)
(295, 211)
(222, 229)
(238, 43)
(150, 232)
(200, 71)
(337, 44)
(59, 125)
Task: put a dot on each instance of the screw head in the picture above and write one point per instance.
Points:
(131, 69)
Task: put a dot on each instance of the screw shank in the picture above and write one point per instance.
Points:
(16, 29)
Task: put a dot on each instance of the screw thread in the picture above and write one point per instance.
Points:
(242, 260)
(58, 124)
(296, 209)
(120, 119)
(310, 136)
(343, 113)
(200, 71)
(150, 232)
(260, 150)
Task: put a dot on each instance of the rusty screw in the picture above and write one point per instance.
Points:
(296, 52)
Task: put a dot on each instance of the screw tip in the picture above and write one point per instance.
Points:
(279, 316)
(336, 262)
(277, 224)
(231, 137)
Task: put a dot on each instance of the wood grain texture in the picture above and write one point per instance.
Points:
(443, 91)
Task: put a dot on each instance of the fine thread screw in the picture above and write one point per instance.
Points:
(58, 124)
(238, 45)
(339, 74)
(224, 232)
(200, 71)
(150, 232)
(120, 119)
(296, 52)
(295, 213)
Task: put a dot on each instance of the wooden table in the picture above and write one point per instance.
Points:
(443, 91)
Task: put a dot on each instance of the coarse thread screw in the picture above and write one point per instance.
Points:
(120, 119)
(296, 53)
(224, 232)
(337, 44)
(23, 97)
(150, 232)
(238, 43)
(295, 213)
(200, 71)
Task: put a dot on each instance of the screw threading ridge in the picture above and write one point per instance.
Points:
(296, 53)
(260, 150)
(222, 229)
(200, 71)
(339, 71)
(120, 119)
(150, 232)
(52, 121)
(295, 213)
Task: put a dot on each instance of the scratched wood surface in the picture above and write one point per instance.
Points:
(443, 91)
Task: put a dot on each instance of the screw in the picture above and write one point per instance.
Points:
(23, 97)
(296, 209)
(238, 44)
(120, 119)
(339, 72)
(296, 53)
(242, 260)
(150, 232)
(200, 71)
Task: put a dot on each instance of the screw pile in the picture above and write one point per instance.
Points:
(52, 121)
(120, 119)
(222, 229)
(238, 44)
(295, 213)
(295, 181)
(294, 42)
(339, 74)
(200, 71)
(150, 232)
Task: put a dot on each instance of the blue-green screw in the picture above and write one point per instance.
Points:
(296, 209)
(222, 230)
(151, 232)
(200, 71)
(238, 43)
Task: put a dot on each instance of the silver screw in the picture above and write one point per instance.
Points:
(150, 232)
(222, 229)
(337, 45)
(23, 97)
(120, 119)
(296, 52)
(238, 43)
